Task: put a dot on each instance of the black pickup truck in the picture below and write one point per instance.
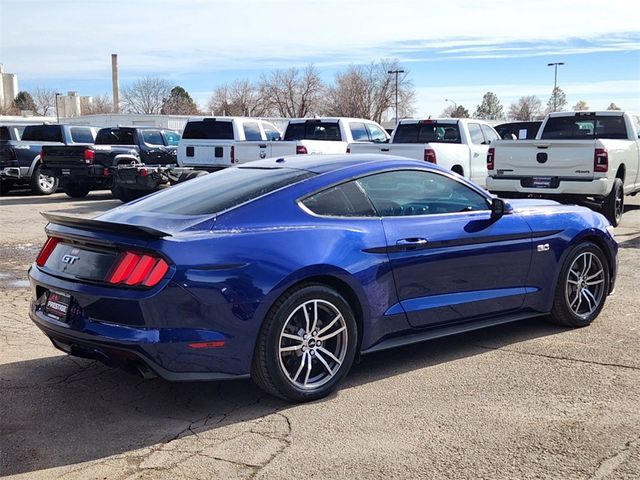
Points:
(82, 169)
(20, 147)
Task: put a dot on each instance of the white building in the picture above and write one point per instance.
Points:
(8, 88)
(72, 104)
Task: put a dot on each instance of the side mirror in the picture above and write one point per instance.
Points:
(499, 208)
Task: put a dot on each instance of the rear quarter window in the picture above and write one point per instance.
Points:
(208, 130)
(81, 135)
(346, 200)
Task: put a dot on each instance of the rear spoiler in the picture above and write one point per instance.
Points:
(101, 225)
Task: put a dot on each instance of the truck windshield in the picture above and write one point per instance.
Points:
(218, 191)
(427, 132)
(208, 129)
(313, 130)
(115, 136)
(42, 133)
(584, 127)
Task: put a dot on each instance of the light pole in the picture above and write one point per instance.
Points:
(396, 72)
(455, 105)
(57, 113)
(555, 82)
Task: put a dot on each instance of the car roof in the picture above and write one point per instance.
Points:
(324, 163)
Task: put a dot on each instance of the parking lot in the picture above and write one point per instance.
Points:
(525, 400)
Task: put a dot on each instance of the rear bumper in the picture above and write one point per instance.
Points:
(165, 351)
(598, 187)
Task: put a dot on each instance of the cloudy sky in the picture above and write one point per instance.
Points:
(455, 50)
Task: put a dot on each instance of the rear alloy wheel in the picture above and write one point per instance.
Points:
(76, 190)
(613, 205)
(307, 344)
(42, 184)
(582, 288)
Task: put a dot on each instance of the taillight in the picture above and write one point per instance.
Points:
(301, 150)
(232, 154)
(601, 160)
(144, 172)
(88, 156)
(134, 270)
(491, 158)
(46, 251)
(430, 155)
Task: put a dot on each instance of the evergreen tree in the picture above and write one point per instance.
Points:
(557, 100)
(179, 102)
(24, 101)
(490, 108)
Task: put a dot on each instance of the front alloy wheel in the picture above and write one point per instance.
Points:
(307, 344)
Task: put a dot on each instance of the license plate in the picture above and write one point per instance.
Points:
(57, 305)
(541, 182)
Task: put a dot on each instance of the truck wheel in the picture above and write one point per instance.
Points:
(127, 194)
(42, 184)
(76, 190)
(613, 205)
(192, 174)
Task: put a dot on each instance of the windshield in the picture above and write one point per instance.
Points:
(218, 191)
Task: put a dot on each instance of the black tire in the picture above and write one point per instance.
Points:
(42, 184)
(571, 306)
(76, 190)
(613, 205)
(5, 186)
(127, 194)
(272, 370)
(190, 175)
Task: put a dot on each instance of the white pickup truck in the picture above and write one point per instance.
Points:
(578, 157)
(459, 145)
(212, 143)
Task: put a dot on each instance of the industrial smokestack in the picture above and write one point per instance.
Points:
(114, 79)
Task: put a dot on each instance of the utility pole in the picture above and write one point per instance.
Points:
(114, 81)
(555, 83)
(396, 72)
(57, 112)
(455, 105)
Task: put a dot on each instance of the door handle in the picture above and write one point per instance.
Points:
(411, 242)
(476, 155)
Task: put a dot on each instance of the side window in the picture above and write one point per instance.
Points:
(345, 200)
(489, 134)
(476, 134)
(358, 132)
(270, 131)
(252, 131)
(171, 138)
(152, 137)
(415, 192)
(81, 135)
(376, 134)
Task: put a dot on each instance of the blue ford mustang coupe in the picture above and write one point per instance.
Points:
(286, 269)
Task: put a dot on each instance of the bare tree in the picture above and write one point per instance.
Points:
(292, 93)
(527, 108)
(613, 106)
(100, 104)
(146, 95)
(241, 98)
(45, 101)
(368, 91)
(581, 105)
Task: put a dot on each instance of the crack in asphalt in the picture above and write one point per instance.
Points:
(610, 464)
(555, 357)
